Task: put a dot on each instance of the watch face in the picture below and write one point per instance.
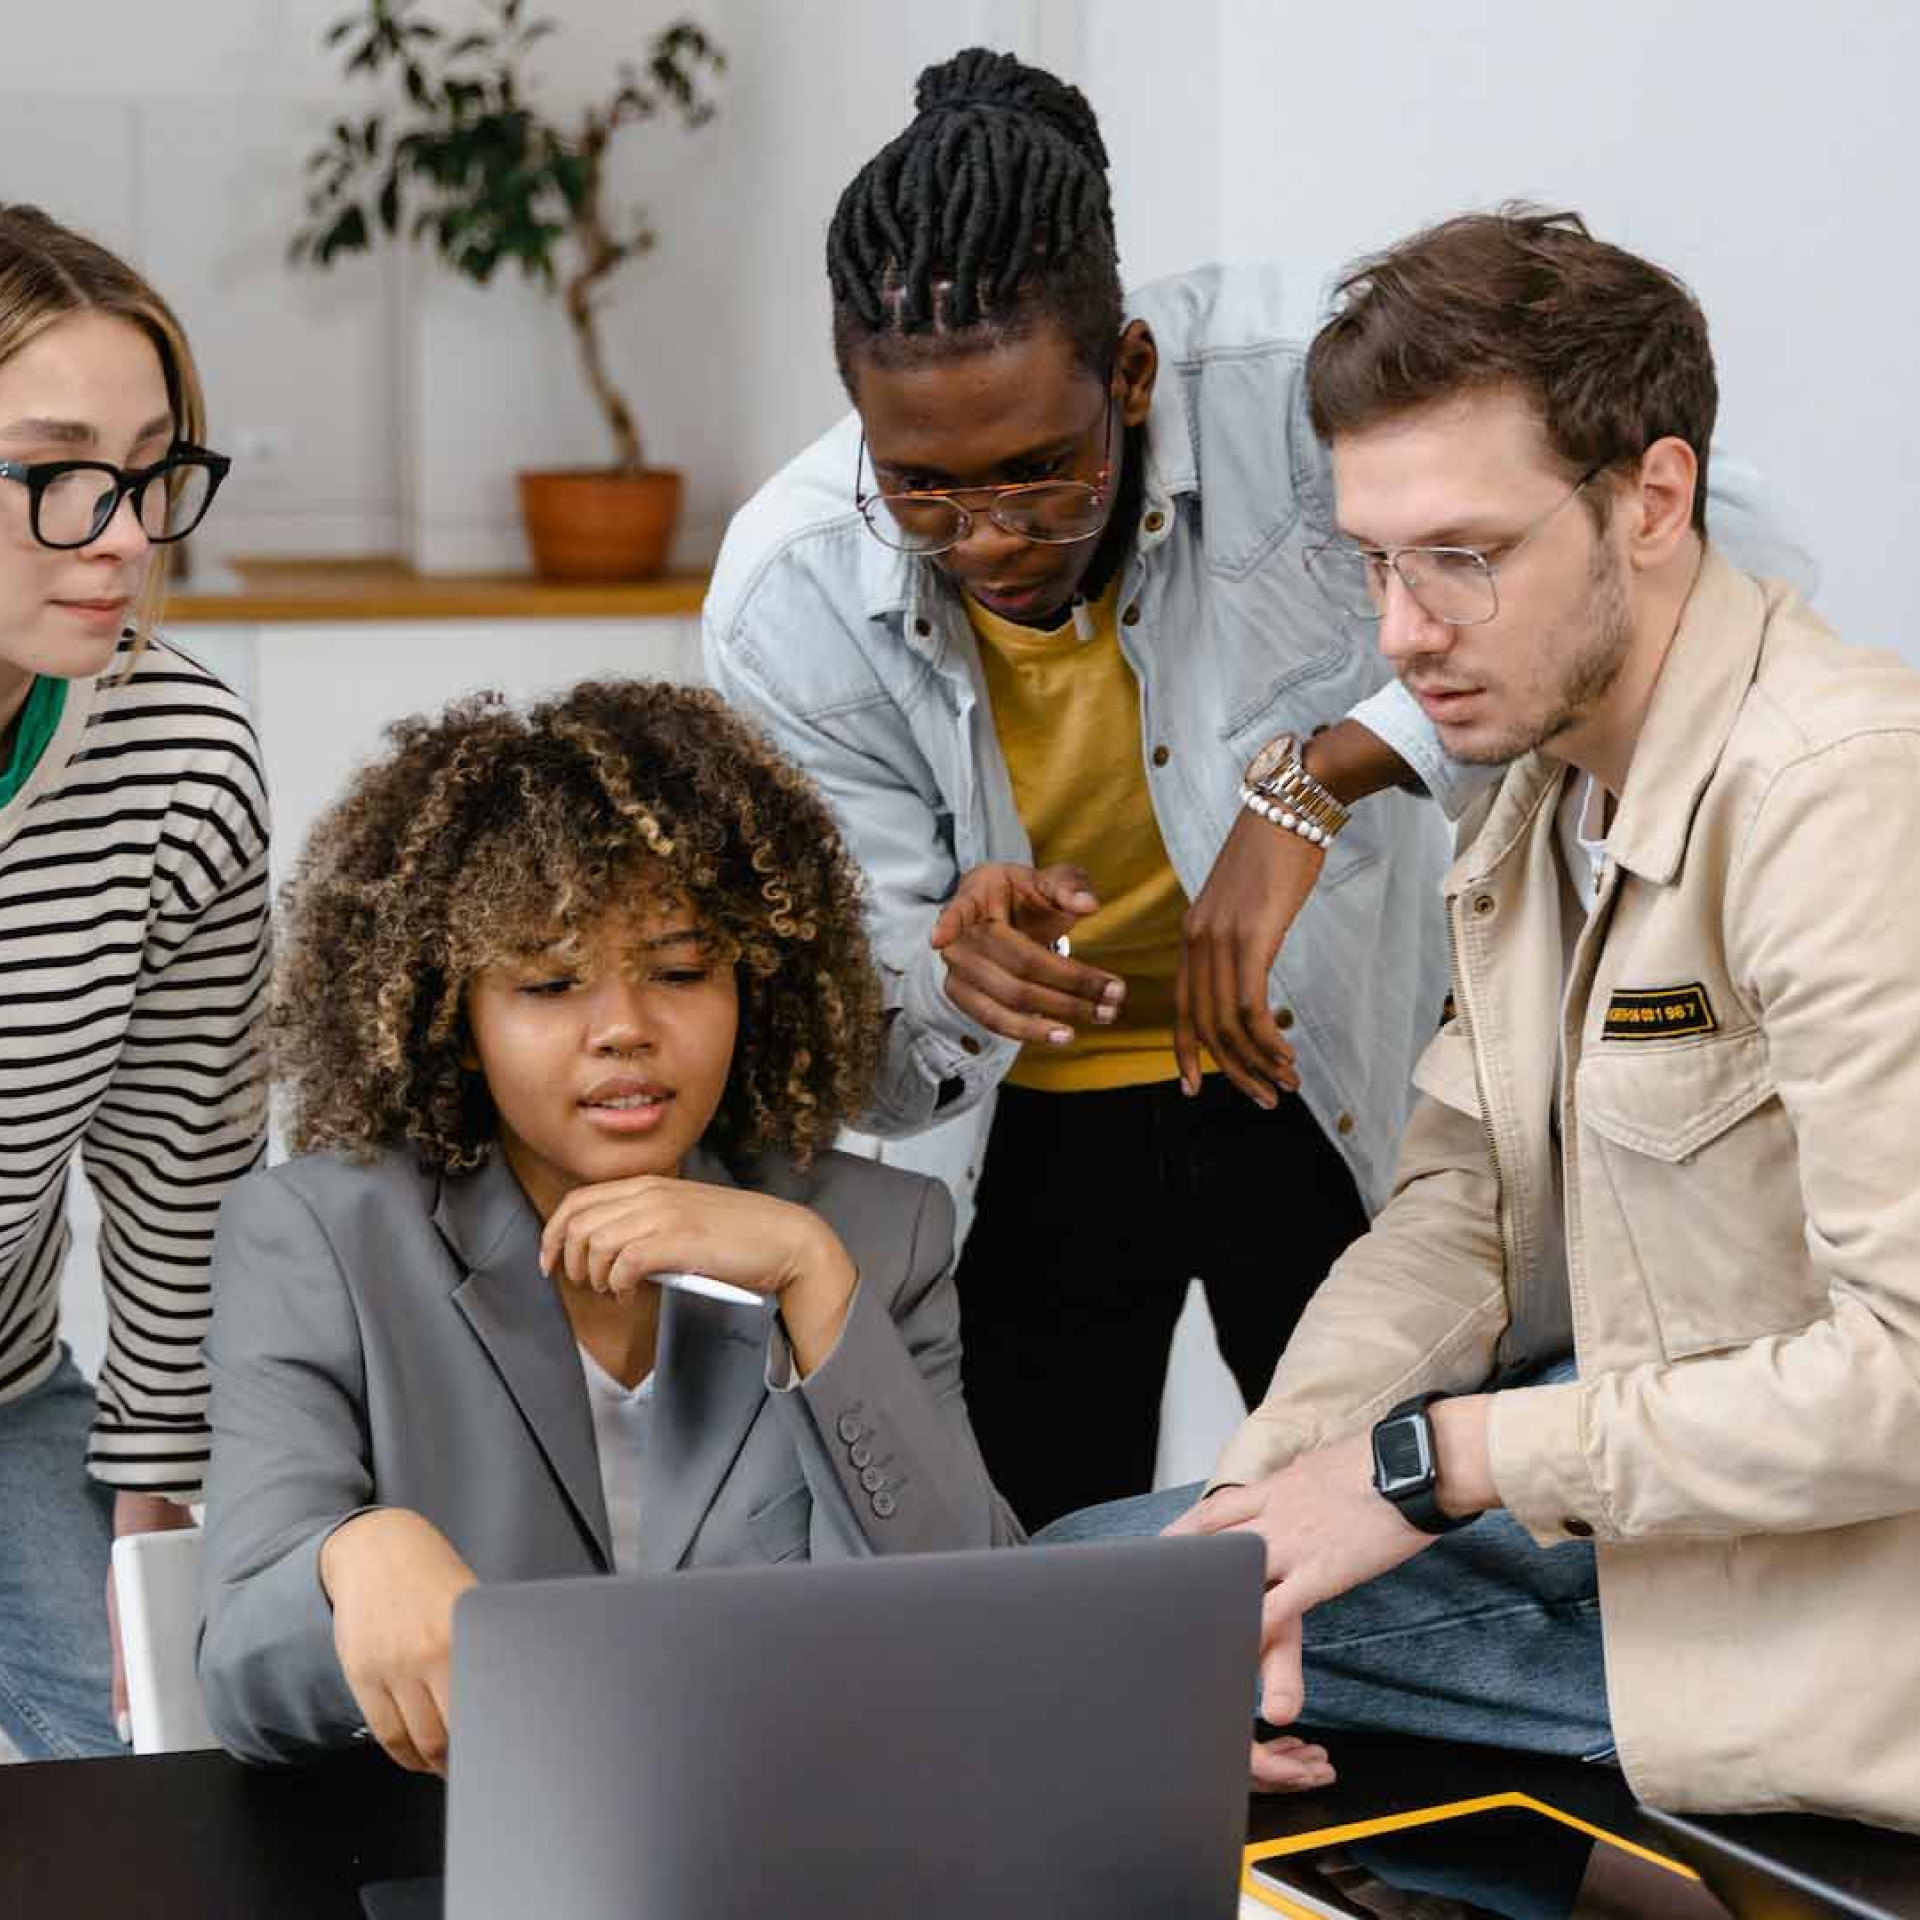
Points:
(1400, 1460)
(1269, 760)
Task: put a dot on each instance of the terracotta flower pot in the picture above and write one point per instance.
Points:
(593, 523)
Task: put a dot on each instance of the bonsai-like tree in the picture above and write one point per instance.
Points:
(469, 165)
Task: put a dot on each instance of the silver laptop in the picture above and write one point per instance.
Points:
(1056, 1731)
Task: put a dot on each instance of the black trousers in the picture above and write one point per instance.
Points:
(1094, 1212)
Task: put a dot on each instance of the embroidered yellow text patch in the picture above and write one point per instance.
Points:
(1659, 1013)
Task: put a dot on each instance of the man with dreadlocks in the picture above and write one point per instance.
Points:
(1037, 622)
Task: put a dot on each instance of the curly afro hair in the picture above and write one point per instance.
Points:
(486, 834)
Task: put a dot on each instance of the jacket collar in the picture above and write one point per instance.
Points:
(1703, 684)
(1696, 700)
(890, 581)
(895, 587)
(710, 1364)
(1173, 435)
(710, 1387)
(491, 1229)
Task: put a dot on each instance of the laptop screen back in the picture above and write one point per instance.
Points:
(1056, 1730)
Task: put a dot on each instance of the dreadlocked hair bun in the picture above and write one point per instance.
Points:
(990, 206)
(982, 78)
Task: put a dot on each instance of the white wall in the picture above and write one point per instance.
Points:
(1767, 153)
(386, 405)
(183, 149)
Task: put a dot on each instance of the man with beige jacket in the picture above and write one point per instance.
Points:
(1650, 1278)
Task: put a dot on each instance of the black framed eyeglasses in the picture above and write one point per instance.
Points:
(1056, 513)
(71, 502)
(1457, 586)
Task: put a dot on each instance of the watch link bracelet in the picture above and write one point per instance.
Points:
(1279, 789)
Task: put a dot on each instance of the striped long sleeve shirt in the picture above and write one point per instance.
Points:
(133, 973)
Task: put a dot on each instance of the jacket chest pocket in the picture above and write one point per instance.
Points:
(1690, 1159)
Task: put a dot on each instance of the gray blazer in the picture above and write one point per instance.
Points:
(384, 1337)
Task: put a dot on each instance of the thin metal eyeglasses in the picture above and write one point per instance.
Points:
(1455, 585)
(1055, 513)
(70, 503)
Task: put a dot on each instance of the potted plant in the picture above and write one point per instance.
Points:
(464, 162)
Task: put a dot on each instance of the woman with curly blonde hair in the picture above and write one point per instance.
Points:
(570, 1004)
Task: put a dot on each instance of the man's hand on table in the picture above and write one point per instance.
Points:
(1327, 1530)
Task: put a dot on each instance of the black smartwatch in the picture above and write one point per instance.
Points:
(1405, 1466)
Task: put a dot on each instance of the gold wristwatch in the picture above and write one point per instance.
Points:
(1279, 789)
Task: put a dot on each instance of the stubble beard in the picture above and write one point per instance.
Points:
(1582, 680)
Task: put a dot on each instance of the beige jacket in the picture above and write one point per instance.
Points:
(1740, 1106)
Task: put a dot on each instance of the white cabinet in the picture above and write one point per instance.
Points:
(322, 695)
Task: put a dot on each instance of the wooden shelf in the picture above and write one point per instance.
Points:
(322, 592)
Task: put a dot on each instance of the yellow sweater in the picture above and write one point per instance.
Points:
(1068, 715)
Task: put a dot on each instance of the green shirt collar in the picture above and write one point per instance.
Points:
(39, 719)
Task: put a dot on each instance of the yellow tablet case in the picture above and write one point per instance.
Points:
(1422, 1817)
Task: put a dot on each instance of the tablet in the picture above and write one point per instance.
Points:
(424, 1898)
(1507, 1856)
(1798, 1866)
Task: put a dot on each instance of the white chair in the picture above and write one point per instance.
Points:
(156, 1582)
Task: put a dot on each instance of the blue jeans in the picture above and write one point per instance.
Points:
(56, 1536)
(1484, 1637)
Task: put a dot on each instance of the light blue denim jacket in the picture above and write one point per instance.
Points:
(860, 663)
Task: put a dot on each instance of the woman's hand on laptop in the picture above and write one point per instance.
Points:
(393, 1577)
(613, 1236)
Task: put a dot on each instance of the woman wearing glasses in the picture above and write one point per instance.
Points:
(133, 928)
(1039, 619)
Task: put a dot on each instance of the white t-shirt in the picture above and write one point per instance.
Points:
(621, 1417)
(1583, 837)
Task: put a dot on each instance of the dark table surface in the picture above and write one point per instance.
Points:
(174, 1835)
(198, 1836)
